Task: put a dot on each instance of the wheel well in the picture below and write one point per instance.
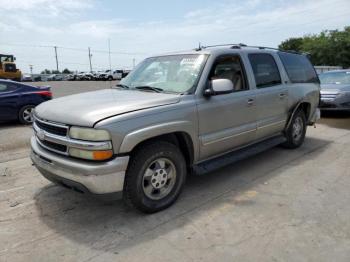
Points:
(306, 107)
(180, 139)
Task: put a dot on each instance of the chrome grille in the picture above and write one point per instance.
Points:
(52, 128)
(45, 130)
(54, 137)
(328, 95)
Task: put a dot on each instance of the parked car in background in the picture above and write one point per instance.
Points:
(18, 100)
(55, 77)
(335, 90)
(37, 79)
(72, 77)
(27, 78)
(189, 111)
(80, 76)
(125, 73)
(106, 75)
(88, 76)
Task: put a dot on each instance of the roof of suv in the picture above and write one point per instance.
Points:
(229, 48)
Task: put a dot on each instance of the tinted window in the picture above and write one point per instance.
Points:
(299, 68)
(229, 67)
(265, 70)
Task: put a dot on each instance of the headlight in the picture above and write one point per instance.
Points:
(89, 134)
(91, 155)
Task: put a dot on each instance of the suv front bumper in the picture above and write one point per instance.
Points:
(96, 178)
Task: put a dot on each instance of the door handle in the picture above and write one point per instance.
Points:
(282, 95)
(250, 102)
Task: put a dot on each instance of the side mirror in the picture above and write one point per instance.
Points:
(219, 87)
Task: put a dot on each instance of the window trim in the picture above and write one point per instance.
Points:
(275, 62)
(245, 78)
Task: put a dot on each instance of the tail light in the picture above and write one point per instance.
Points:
(45, 94)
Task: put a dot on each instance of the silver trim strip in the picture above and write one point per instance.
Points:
(272, 124)
(66, 141)
(50, 148)
(228, 137)
(51, 123)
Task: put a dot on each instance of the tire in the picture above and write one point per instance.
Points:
(155, 177)
(296, 131)
(24, 115)
(110, 78)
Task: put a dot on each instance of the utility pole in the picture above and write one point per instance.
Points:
(56, 58)
(109, 54)
(31, 70)
(134, 62)
(110, 63)
(90, 55)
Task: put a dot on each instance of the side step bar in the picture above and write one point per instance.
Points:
(235, 156)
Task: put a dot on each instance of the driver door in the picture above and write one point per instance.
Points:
(227, 121)
(8, 101)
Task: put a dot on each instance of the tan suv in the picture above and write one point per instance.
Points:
(176, 113)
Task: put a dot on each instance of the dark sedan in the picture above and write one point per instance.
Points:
(17, 100)
(335, 90)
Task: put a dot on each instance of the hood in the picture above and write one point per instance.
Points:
(335, 88)
(87, 108)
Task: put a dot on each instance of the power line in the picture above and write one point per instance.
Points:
(72, 48)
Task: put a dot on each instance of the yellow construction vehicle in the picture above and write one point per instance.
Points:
(8, 68)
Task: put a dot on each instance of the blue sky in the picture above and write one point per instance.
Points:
(138, 29)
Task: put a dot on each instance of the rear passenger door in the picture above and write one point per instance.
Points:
(271, 95)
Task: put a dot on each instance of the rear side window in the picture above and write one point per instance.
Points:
(298, 67)
(265, 70)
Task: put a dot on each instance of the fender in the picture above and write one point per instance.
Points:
(293, 113)
(134, 138)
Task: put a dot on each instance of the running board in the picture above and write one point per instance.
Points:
(235, 156)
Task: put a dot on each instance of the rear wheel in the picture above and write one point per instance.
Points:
(110, 78)
(155, 177)
(25, 114)
(296, 131)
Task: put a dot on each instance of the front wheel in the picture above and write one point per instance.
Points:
(296, 131)
(155, 177)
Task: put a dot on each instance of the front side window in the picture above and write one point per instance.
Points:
(265, 70)
(298, 67)
(338, 78)
(229, 67)
(173, 74)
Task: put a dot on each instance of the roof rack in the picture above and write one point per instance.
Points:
(241, 45)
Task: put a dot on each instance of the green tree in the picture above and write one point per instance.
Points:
(330, 47)
(46, 71)
(294, 44)
(66, 71)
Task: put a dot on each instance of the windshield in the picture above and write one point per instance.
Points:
(174, 73)
(340, 78)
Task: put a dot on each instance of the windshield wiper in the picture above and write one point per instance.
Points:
(151, 88)
(122, 86)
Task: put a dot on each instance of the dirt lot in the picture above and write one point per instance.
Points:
(280, 205)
